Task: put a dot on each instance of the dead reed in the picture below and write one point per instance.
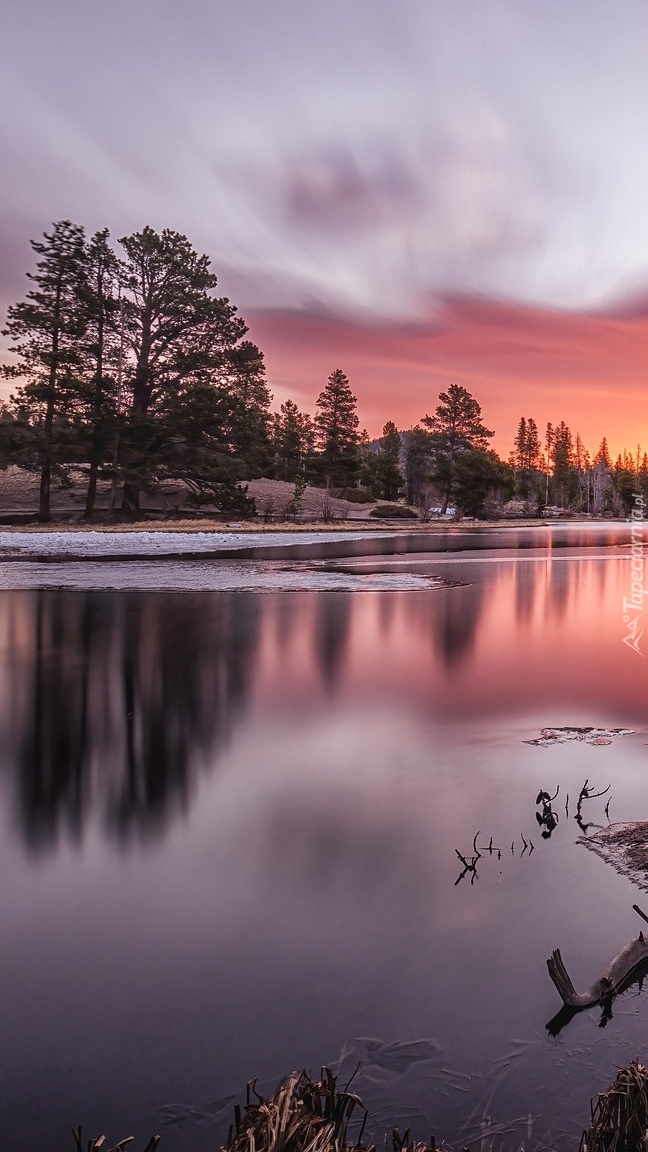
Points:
(306, 1115)
(98, 1142)
(620, 1115)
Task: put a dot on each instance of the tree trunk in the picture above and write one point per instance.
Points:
(446, 498)
(131, 497)
(44, 498)
(92, 489)
(46, 466)
(97, 437)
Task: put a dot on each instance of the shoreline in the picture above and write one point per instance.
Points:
(213, 526)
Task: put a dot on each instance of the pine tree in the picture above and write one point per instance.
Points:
(46, 329)
(532, 444)
(519, 453)
(336, 426)
(387, 470)
(456, 427)
(292, 441)
(603, 454)
(245, 380)
(562, 456)
(179, 335)
(419, 464)
(100, 351)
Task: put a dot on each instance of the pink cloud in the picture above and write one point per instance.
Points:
(589, 369)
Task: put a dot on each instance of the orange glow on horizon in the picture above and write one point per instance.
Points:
(588, 369)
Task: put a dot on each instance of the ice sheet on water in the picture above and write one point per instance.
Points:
(91, 543)
(625, 847)
(207, 576)
(549, 736)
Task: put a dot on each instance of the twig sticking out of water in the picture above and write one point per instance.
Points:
(547, 818)
(470, 862)
(468, 866)
(636, 908)
(586, 793)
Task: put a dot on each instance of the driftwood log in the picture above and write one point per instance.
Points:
(628, 965)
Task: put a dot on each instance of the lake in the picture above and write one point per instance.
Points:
(229, 823)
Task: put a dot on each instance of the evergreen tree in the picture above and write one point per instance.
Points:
(387, 471)
(562, 455)
(625, 482)
(292, 441)
(46, 329)
(244, 378)
(419, 463)
(603, 454)
(179, 335)
(583, 469)
(336, 426)
(533, 453)
(526, 458)
(519, 453)
(193, 435)
(100, 351)
(480, 474)
(456, 427)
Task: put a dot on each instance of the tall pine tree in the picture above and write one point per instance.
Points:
(336, 425)
(456, 427)
(100, 350)
(292, 440)
(47, 328)
(179, 335)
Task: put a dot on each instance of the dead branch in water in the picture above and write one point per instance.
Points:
(586, 793)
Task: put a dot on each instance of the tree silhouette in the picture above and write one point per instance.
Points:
(179, 334)
(336, 425)
(46, 328)
(456, 427)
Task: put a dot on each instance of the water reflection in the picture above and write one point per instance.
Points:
(332, 634)
(313, 762)
(117, 701)
(114, 701)
(525, 589)
(451, 619)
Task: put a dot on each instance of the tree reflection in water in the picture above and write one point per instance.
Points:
(117, 700)
(452, 618)
(332, 635)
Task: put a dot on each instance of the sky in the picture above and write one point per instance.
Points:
(419, 192)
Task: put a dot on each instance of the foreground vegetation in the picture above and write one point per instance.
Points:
(307, 1115)
(130, 369)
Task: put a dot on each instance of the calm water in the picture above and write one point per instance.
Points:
(228, 834)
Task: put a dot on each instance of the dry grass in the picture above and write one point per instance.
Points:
(99, 1143)
(620, 1115)
(306, 1115)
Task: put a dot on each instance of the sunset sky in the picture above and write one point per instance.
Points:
(420, 192)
